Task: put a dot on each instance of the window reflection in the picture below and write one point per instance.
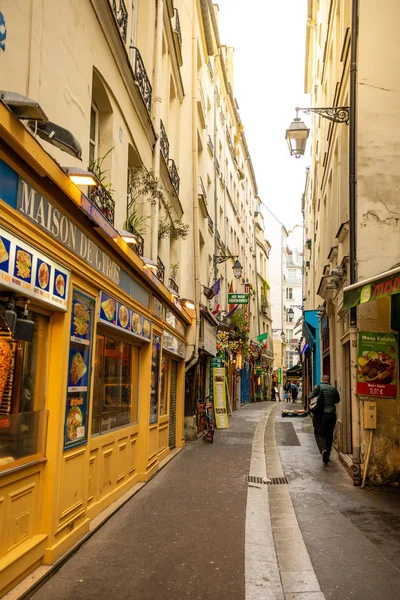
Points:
(116, 384)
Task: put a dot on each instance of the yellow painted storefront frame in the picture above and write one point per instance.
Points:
(70, 488)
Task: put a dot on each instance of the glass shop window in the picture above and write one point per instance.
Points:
(23, 365)
(116, 384)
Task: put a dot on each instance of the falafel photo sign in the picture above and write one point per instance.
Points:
(377, 364)
(76, 413)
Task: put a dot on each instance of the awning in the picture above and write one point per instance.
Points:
(308, 335)
(380, 286)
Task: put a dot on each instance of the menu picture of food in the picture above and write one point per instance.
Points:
(146, 328)
(377, 364)
(23, 264)
(43, 275)
(136, 324)
(81, 334)
(80, 320)
(4, 253)
(108, 308)
(123, 316)
(74, 422)
(59, 284)
(78, 368)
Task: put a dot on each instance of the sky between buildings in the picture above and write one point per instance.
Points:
(269, 41)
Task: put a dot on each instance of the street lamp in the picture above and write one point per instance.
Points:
(290, 314)
(237, 267)
(298, 132)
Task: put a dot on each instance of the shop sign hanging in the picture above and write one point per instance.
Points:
(238, 298)
(220, 398)
(81, 335)
(377, 364)
(118, 315)
(31, 273)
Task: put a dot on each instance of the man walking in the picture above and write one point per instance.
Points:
(324, 421)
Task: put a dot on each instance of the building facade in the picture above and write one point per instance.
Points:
(352, 227)
(102, 354)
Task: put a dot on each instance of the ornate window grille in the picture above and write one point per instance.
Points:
(173, 285)
(164, 143)
(173, 173)
(141, 79)
(103, 201)
(160, 270)
(210, 144)
(177, 27)
(138, 248)
(121, 17)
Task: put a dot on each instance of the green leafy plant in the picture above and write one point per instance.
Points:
(145, 188)
(173, 270)
(96, 167)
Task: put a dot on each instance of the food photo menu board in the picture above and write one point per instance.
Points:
(81, 333)
(114, 313)
(25, 269)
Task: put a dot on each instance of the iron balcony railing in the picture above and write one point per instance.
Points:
(217, 165)
(164, 143)
(203, 189)
(210, 223)
(121, 17)
(160, 270)
(210, 144)
(173, 285)
(210, 70)
(142, 81)
(174, 176)
(138, 248)
(177, 27)
(103, 201)
(229, 140)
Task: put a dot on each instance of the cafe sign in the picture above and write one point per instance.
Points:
(238, 298)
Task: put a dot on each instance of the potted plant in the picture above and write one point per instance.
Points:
(308, 243)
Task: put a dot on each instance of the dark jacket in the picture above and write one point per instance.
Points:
(331, 396)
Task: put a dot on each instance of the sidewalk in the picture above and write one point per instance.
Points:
(189, 534)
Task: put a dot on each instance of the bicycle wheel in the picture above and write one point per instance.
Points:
(203, 424)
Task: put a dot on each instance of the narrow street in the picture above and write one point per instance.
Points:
(189, 524)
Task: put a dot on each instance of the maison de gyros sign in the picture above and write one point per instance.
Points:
(238, 298)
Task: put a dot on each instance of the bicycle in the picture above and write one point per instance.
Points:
(206, 422)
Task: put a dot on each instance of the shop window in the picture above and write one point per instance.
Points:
(116, 384)
(23, 366)
(155, 375)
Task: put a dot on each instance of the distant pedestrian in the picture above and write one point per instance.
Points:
(276, 396)
(324, 421)
(295, 390)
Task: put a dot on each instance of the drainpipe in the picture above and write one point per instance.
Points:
(215, 169)
(196, 245)
(256, 267)
(156, 121)
(353, 246)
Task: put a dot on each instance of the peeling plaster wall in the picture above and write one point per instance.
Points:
(378, 200)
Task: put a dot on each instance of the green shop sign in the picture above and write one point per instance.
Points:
(238, 298)
(381, 288)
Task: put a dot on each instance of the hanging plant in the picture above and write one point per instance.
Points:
(308, 243)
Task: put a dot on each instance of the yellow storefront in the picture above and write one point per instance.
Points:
(91, 361)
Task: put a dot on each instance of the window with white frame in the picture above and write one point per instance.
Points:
(93, 134)
(289, 293)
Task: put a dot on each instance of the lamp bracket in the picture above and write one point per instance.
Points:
(221, 259)
(337, 114)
